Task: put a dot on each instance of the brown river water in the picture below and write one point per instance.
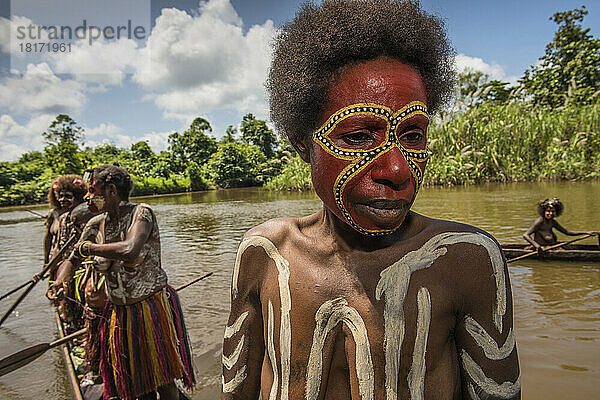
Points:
(556, 304)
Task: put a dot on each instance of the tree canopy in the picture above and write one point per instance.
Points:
(62, 150)
(569, 72)
(255, 131)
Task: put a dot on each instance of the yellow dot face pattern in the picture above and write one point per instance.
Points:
(361, 158)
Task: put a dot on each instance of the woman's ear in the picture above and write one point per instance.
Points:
(302, 150)
(111, 190)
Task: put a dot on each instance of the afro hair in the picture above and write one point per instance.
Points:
(71, 183)
(312, 49)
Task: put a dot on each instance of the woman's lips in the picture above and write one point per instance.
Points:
(382, 212)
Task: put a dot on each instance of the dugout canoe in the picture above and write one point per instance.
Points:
(570, 252)
(71, 361)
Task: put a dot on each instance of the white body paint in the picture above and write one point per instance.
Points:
(271, 353)
(505, 390)
(285, 331)
(416, 376)
(327, 317)
(239, 377)
(230, 361)
(472, 392)
(394, 281)
(235, 327)
(487, 343)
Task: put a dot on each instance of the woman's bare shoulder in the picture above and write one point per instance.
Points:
(282, 230)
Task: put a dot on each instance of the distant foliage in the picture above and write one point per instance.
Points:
(146, 186)
(295, 175)
(25, 181)
(236, 165)
(515, 142)
(195, 145)
(569, 72)
(62, 151)
(255, 131)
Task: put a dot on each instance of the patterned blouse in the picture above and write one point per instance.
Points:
(134, 281)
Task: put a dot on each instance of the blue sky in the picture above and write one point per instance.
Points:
(209, 59)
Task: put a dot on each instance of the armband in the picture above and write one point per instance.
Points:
(81, 248)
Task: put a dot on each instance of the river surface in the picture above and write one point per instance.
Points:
(556, 304)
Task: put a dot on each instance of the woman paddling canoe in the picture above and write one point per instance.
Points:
(144, 342)
(66, 193)
(541, 233)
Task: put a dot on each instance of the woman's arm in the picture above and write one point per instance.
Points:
(567, 232)
(67, 267)
(65, 273)
(48, 239)
(530, 234)
(128, 249)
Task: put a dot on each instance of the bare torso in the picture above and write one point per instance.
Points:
(544, 234)
(353, 314)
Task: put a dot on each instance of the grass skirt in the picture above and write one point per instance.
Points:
(144, 346)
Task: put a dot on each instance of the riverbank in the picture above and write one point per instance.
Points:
(508, 142)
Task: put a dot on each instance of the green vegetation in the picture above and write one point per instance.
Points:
(569, 72)
(547, 128)
(194, 160)
(515, 141)
(295, 175)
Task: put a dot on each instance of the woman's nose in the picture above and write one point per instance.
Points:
(391, 169)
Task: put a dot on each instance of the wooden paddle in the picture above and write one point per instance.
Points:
(54, 262)
(46, 268)
(16, 289)
(36, 213)
(554, 246)
(24, 357)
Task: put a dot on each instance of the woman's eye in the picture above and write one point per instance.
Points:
(358, 138)
(413, 137)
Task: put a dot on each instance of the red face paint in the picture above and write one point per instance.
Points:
(369, 155)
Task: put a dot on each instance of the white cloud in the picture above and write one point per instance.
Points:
(102, 62)
(16, 139)
(103, 130)
(39, 90)
(495, 71)
(205, 62)
(158, 141)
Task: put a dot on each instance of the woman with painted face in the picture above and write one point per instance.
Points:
(144, 345)
(71, 224)
(66, 193)
(366, 298)
(541, 233)
(71, 194)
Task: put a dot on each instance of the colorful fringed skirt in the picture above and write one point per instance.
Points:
(144, 346)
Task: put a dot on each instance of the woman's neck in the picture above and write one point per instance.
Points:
(349, 238)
